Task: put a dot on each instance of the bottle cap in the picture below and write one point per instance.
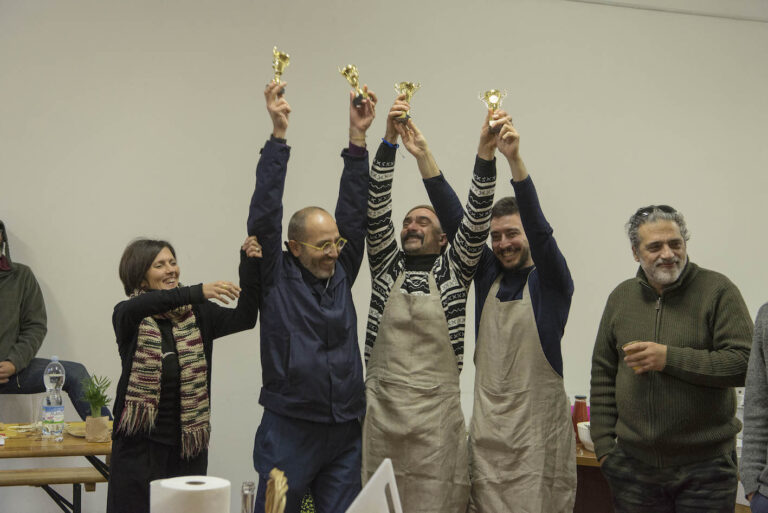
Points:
(54, 358)
(582, 397)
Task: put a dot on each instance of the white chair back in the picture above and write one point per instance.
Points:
(379, 495)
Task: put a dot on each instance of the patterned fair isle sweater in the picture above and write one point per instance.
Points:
(453, 269)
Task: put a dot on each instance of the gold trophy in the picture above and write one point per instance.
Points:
(492, 99)
(408, 89)
(350, 73)
(280, 61)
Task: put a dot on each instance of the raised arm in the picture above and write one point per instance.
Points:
(265, 215)
(225, 321)
(351, 206)
(553, 269)
(465, 252)
(382, 243)
(447, 205)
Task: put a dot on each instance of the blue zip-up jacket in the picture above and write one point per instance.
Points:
(310, 358)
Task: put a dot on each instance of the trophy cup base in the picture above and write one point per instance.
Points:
(494, 129)
(358, 100)
(403, 119)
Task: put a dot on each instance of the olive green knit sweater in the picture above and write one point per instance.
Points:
(686, 412)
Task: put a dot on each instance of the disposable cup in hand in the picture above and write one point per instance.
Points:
(628, 350)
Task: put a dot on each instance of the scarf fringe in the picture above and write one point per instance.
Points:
(137, 418)
(195, 441)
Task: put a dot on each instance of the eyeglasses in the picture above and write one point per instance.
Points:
(646, 211)
(326, 248)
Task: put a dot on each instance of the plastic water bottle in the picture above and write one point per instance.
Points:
(248, 493)
(53, 405)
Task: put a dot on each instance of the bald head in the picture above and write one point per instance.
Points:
(297, 226)
(309, 230)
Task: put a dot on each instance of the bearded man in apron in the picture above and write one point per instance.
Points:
(414, 343)
(521, 439)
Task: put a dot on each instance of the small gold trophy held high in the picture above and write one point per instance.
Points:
(350, 73)
(280, 61)
(492, 99)
(408, 89)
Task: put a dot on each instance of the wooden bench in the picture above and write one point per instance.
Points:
(88, 476)
(44, 477)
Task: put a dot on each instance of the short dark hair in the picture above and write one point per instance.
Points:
(297, 226)
(136, 261)
(506, 206)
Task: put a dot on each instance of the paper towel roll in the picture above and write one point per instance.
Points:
(190, 494)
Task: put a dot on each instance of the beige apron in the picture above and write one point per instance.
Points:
(414, 414)
(522, 444)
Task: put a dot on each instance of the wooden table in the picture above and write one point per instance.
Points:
(31, 445)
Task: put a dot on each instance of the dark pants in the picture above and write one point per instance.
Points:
(30, 381)
(138, 461)
(759, 503)
(324, 459)
(703, 487)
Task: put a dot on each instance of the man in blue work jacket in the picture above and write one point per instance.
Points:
(312, 379)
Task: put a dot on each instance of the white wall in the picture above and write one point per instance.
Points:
(146, 118)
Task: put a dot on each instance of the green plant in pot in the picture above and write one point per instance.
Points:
(95, 394)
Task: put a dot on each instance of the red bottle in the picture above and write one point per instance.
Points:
(580, 413)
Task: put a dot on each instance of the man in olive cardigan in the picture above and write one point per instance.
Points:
(663, 406)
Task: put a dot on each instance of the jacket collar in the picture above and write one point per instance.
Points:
(295, 271)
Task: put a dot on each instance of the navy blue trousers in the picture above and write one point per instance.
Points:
(759, 503)
(30, 381)
(321, 458)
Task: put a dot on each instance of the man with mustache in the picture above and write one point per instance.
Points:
(521, 439)
(415, 336)
(672, 344)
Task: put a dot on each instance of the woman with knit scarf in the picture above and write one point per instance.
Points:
(165, 334)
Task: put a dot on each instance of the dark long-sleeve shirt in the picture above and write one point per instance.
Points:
(213, 320)
(310, 358)
(549, 281)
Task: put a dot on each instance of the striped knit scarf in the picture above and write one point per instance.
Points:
(143, 395)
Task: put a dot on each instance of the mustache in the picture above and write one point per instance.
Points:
(414, 235)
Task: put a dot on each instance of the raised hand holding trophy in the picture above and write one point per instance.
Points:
(492, 99)
(408, 89)
(350, 73)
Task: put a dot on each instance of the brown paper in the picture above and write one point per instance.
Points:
(97, 429)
